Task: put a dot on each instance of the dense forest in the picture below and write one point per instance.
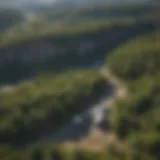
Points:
(98, 12)
(47, 101)
(83, 46)
(136, 120)
(140, 57)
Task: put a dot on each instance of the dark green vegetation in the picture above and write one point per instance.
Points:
(51, 152)
(136, 120)
(9, 17)
(45, 103)
(99, 12)
(33, 108)
(79, 20)
(44, 30)
(83, 46)
(138, 58)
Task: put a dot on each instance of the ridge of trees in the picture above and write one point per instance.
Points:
(136, 120)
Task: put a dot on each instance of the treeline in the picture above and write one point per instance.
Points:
(116, 11)
(92, 41)
(100, 12)
(42, 105)
(52, 152)
(76, 21)
(137, 58)
(136, 120)
(44, 29)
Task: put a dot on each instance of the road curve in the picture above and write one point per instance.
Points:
(81, 124)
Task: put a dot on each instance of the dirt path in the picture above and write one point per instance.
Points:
(97, 139)
(90, 136)
(120, 89)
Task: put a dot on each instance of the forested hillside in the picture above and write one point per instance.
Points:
(136, 120)
(79, 46)
(56, 68)
(137, 58)
(34, 108)
(100, 12)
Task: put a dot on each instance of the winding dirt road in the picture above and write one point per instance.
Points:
(82, 125)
